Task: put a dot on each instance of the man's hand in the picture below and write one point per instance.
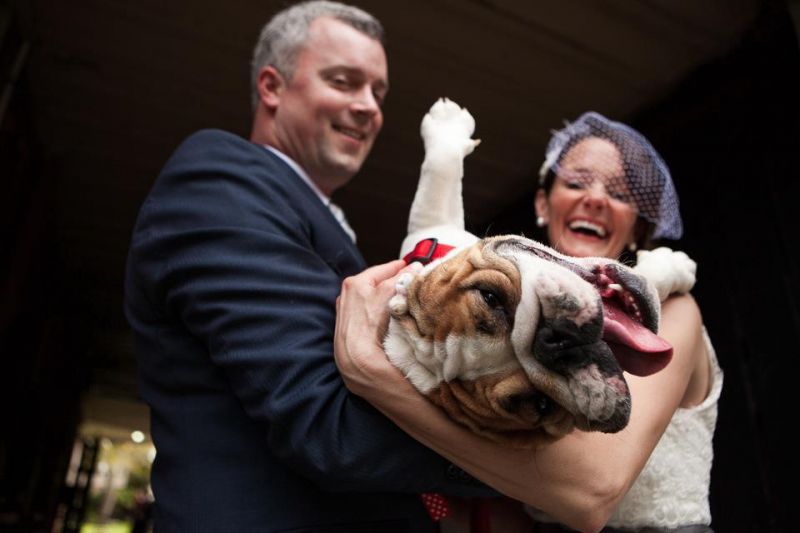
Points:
(362, 316)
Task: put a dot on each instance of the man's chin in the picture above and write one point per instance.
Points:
(345, 166)
(333, 176)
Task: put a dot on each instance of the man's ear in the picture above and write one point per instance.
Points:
(270, 85)
(541, 206)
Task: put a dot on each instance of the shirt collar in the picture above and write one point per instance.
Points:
(300, 172)
(337, 212)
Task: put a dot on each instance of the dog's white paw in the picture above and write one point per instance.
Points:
(449, 126)
(669, 271)
(398, 304)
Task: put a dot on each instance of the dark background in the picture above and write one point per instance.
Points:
(96, 94)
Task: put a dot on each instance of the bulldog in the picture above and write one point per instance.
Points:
(512, 339)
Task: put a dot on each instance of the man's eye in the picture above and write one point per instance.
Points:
(339, 82)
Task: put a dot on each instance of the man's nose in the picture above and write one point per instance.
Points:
(365, 103)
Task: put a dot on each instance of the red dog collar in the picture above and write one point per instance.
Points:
(426, 251)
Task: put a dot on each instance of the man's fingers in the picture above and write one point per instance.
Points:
(379, 273)
(414, 267)
(381, 277)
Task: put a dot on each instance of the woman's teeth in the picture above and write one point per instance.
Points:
(585, 226)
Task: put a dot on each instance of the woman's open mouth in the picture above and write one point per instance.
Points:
(588, 228)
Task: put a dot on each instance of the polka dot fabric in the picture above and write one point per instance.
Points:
(436, 505)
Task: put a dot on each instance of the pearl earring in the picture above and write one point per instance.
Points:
(632, 247)
(540, 222)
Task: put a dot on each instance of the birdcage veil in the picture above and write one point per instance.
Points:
(646, 181)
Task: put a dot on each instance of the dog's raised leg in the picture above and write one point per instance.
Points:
(438, 207)
(669, 271)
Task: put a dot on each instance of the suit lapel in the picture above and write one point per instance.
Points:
(328, 237)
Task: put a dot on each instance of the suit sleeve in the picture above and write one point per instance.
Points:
(231, 259)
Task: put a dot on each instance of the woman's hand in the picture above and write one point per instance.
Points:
(362, 315)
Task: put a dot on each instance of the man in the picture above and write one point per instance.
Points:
(235, 264)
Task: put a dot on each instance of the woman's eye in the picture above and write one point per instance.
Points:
(572, 184)
(621, 196)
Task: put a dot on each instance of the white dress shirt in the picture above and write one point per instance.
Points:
(337, 211)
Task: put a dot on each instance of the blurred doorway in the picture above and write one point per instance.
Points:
(107, 484)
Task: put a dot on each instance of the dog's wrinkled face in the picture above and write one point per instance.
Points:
(518, 342)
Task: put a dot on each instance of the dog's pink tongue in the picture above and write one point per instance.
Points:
(637, 349)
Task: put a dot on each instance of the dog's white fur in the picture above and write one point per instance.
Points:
(500, 365)
(438, 207)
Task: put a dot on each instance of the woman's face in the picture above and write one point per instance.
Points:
(590, 211)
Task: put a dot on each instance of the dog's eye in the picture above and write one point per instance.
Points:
(529, 400)
(544, 405)
(491, 299)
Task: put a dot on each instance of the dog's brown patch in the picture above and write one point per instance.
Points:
(507, 409)
(448, 300)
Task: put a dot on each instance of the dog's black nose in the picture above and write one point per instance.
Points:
(562, 345)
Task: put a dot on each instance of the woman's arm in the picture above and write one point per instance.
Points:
(580, 479)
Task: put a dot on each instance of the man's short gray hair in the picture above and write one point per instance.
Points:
(283, 36)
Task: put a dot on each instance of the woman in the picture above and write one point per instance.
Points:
(605, 192)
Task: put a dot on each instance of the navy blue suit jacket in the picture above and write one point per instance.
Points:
(231, 282)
